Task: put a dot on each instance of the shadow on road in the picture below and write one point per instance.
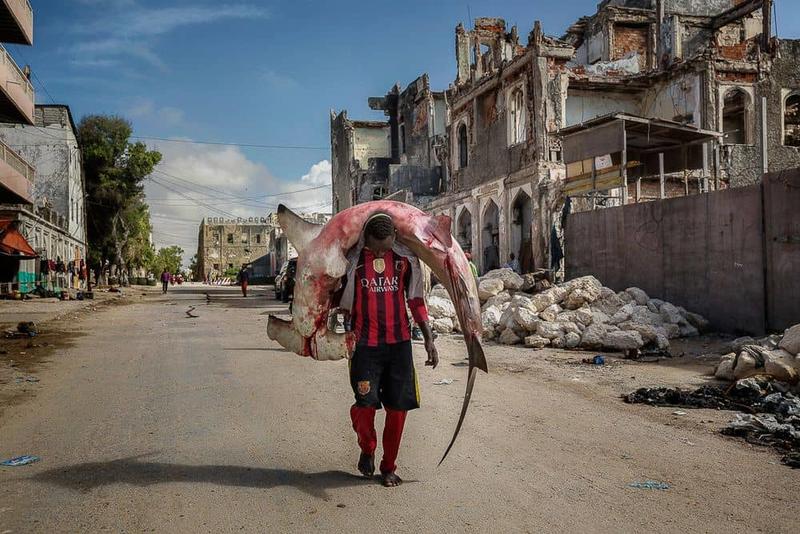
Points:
(87, 476)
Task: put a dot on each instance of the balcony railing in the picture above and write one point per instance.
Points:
(16, 73)
(16, 162)
(22, 11)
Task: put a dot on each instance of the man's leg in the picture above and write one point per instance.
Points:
(363, 418)
(392, 433)
(399, 394)
(365, 371)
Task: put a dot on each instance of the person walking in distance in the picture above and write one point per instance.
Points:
(383, 277)
(244, 278)
(165, 279)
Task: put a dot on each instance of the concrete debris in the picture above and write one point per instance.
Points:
(510, 279)
(578, 314)
(489, 288)
(440, 307)
(770, 356)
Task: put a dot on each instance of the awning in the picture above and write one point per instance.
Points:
(13, 243)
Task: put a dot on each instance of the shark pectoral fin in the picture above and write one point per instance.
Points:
(330, 346)
(299, 231)
(284, 333)
(441, 230)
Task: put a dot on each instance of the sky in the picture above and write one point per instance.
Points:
(259, 73)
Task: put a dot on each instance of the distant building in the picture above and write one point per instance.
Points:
(224, 245)
(281, 250)
(55, 222)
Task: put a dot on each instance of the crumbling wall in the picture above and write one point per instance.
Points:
(370, 142)
(631, 40)
(784, 78)
(678, 99)
(700, 8)
(341, 156)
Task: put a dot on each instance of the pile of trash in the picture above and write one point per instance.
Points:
(580, 313)
(777, 356)
(769, 410)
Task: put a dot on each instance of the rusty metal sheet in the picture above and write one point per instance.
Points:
(782, 233)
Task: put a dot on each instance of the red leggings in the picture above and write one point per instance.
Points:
(364, 424)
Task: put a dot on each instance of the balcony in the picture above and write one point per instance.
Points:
(16, 22)
(17, 98)
(16, 177)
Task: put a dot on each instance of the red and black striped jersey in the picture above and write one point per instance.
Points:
(379, 315)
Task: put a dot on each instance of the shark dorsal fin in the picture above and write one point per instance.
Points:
(298, 231)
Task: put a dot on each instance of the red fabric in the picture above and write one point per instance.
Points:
(244, 287)
(363, 418)
(379, 311)
(14, 243)
(392, 432)
(418, 310)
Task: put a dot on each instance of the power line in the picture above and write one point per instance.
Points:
(35, 76)
(222, 143)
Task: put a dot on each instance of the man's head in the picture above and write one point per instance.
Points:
(379, 233)
(512, 256)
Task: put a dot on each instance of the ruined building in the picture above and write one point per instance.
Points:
(405, 153)
(644, 99)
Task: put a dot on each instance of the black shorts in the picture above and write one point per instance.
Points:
(385, 376)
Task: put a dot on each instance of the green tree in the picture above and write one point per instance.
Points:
(117, 218)
(168, 258)
(194, 268)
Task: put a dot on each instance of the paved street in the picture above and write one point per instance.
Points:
(148, 420)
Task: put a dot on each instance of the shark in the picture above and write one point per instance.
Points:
(322, 262)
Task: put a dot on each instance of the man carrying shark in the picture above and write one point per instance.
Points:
(383, 280)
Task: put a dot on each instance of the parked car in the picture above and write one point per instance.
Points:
(284, 282)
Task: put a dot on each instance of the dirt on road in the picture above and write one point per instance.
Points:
(150, 420)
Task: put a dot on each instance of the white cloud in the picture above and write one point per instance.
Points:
(221, 181)
(130, 31)
(146, 109)
(279, 81)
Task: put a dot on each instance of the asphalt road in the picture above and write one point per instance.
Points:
(154, 421)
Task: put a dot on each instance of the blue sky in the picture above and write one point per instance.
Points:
(254, 72)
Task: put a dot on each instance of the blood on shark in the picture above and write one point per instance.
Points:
(322, 263)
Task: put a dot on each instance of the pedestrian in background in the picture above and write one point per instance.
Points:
(244, 278)
(165, 279)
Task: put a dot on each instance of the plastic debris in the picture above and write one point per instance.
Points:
(650, 485)
(597, 360)
(20, 460)
(443, 382)
(678, 412)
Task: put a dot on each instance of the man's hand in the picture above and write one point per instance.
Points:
(433, 354)
(430, 348)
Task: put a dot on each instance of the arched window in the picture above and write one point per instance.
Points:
(463, 147)
(791, 120)
(516, 117)
(736, 118)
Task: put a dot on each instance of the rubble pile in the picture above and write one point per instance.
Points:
(769, 410)
(580, 313)
(777, 356)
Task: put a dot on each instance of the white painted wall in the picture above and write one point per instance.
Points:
(371, 143)
(586, 105)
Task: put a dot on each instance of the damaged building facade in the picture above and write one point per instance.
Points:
(644, 99)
